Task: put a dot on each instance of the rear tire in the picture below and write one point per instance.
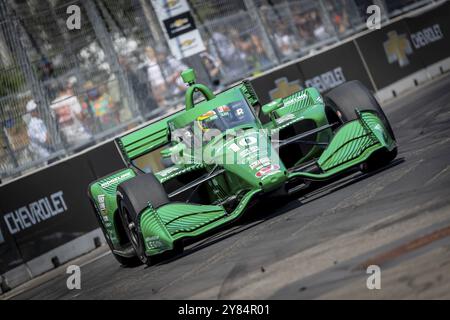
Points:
(353, 94)
(133, 196)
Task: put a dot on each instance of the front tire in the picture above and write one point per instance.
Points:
(344, 99)
(133, 196)
(125, 261)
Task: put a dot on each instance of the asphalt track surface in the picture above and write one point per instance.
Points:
(319, 245)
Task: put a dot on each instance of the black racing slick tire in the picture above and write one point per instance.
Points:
(125, 261)
(353, 94)
(133, 196)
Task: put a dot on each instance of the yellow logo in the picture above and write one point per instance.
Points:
(172, 3)
(179, 22)
(187, 42)
(284, 88)
(397, 48)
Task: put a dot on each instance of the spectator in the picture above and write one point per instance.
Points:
(171, 69)
(155, 76)
(304, 27)
(339, 15)
(102, 107)
(244, 43)
(68, 114)
(252, 52)
(70, 85)
(223, 49)
(259, 47)
(284, 41)
(212, 66)
(37, 133)
(137, 78)
(320, 32)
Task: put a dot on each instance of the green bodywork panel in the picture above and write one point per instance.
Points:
(162, 227)
(145, 139)
(103, 195)
(352, 144)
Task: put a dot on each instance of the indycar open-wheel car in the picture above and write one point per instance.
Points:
(199, 169)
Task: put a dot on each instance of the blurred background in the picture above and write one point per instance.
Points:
(62, 91)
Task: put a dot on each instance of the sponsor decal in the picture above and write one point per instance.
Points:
(35, 212)
(224, 109)
(101, 203)
(153, 242)
(115, 180)
(301, 97)
(258, 164)
(271, 169)
(284, 88)
(102, 207)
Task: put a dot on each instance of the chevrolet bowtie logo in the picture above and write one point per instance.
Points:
(187, 42)
(179, 22)
(171, 3)
(397, 48)
(284, 88)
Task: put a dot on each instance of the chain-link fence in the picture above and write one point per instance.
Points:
(63, 90)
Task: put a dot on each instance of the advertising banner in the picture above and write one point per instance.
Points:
(389, 54)
(179, 27)
(333, 67)
(323, 71)
(429, 34)
(48, 208)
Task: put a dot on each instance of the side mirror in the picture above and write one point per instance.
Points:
(272, 106)
(174, 150)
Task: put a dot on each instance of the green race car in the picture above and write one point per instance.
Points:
(201, 168)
